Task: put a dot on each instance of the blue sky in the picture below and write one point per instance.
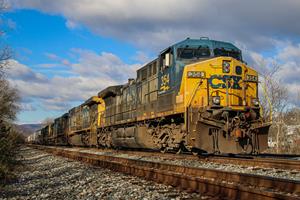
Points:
(41, 33)
(37, 38)
(66, 51)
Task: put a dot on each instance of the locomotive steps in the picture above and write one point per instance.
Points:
(224, 184)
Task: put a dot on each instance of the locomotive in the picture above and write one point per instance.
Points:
(198, 96)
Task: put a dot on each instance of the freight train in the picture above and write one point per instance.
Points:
(198, 96)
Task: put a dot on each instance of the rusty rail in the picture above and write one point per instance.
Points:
(260, 162)
(207, 181)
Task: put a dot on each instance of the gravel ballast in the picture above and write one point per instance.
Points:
(44, 176)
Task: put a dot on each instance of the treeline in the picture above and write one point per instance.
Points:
(284, 135)
(282, 110)
(10, 139)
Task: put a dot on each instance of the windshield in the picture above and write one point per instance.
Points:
(230, 53)
(193, 53)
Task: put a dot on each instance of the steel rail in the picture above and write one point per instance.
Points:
(277, 163)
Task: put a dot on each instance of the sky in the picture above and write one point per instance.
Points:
(67, 51)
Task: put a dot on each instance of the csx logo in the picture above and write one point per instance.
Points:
(218, 81)
(165, 81)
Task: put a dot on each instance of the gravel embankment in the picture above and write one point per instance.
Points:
(44, 176)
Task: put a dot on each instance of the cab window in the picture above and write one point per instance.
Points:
(231, 53)
(193, 52)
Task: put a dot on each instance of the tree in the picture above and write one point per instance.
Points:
(5, 55)
(9, 99)
(8, 95)
(274, 101)
(5, 51)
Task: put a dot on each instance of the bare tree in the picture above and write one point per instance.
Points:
(8, 101)
(8, 95)
(5, 55)
(5, 51)
(274, 101)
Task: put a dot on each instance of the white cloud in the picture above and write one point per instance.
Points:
(27, 107)
(56, 103)
(52, 56)
(156, 23)
(18, 71)
(103, 66)
(290, 52)
(141, 57)
(92, 73)
(72, 25)
(288, 63)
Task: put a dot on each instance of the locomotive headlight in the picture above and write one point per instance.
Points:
(255, 102)
(195, 74)
(216, 100)
(226, 66)
(251, 78)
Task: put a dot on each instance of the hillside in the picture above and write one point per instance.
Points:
(28, 129)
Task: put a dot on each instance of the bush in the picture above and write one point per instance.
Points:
(10, 142)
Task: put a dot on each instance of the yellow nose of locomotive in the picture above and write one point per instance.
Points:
(231, 84)
(220, 82)
(220, 96)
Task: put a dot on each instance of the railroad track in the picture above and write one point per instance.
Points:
(264, 161)
(223, 184)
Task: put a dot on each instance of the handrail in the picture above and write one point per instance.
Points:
(194, 93)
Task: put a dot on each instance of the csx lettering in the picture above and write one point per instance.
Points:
(217, 81)
(165, 80)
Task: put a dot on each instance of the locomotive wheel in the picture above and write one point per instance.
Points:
(246, 145)
(195, 152)
(163, 150)
(179, 151)
(163, 139)
(103, 139)
(85, 138)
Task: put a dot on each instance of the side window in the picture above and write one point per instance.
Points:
(139, 94)
(166, 59)
(144, 74)
(150, 70)
(138, 78)
(154, 67)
